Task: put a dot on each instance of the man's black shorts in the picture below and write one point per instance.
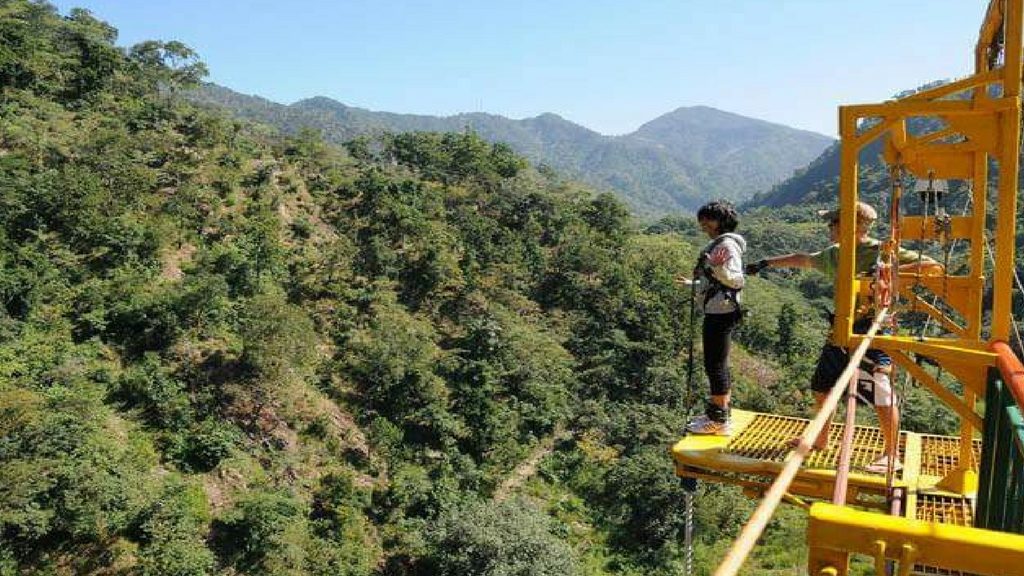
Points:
(873, 385)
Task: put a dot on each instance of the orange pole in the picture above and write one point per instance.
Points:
(1012, 370)
(846, 448)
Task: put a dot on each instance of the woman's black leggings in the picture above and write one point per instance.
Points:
(717, 335)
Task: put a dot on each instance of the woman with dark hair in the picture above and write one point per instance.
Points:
(719, 279)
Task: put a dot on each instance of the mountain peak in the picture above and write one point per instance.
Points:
(703, 117)
(548, 116)
(319, 101)
(704, 130)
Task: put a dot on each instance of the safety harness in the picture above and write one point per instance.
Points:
(714, 286)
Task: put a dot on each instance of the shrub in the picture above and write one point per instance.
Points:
(498, 539)
(264, 534)
(173, 532)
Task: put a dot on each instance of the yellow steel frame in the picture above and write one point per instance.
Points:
(979, 129)
(985, 126)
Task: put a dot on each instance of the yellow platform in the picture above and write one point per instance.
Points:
(758, 448)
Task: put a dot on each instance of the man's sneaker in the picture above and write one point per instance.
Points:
(881, 466)
(704, 425)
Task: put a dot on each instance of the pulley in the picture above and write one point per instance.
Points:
(931, 192)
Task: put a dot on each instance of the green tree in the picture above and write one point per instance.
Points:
(161, 399)
(98, 59)
(279, 349)
(173, 531)
(787, 322)
(66, 473)
(498, 539)
(168, 65)
(343, 544)
(643, 499)
(394, 359)
(265, 533)
(512, 381)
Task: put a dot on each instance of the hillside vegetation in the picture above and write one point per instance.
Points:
(674, 162)
(224, 351)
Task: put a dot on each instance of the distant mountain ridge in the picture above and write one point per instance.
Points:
(672, 163)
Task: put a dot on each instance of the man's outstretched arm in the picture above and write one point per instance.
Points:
(794, 260)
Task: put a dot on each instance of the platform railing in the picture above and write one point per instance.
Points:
(1001, 478)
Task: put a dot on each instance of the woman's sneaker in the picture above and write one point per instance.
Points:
(704, 425)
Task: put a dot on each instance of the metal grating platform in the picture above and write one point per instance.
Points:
(929, 570)
(759, 447)
(767, 436)
(945, 509)
(940, 455)
(921, 570)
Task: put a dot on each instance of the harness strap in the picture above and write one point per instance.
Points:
(703, 270)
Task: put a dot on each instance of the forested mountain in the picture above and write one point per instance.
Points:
(675, 162)
(818, 183)
(223, 351)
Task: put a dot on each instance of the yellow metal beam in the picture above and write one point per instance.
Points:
(845, 530)
(990, 27)
(948, 161)
(1006, 227)
(973, 81)
(869, 135)
(974, 377)
(919, 304)
(979, 205)
(956, 291)
(1012, 31)
(927, 228)
(964, 351)
(917, 141)
(1008, 171)
(983, 130)
(909, 108)
(912, 452)
(948, 398)
(845, 296)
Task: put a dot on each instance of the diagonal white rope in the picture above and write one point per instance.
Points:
(745, 542)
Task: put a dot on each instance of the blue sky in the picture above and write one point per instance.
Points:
(608, 65)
